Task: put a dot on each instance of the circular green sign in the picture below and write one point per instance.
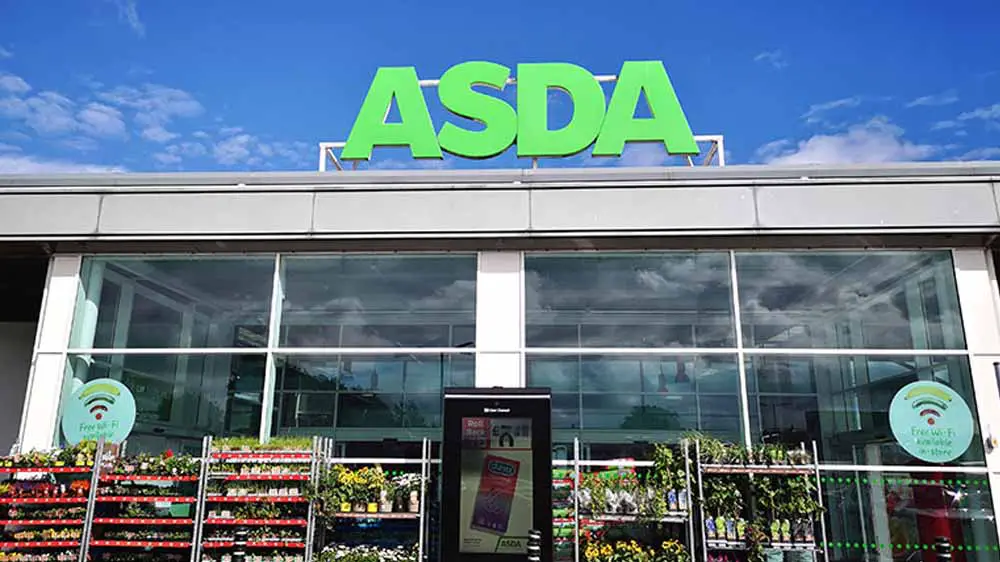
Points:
(101, 408)
(931, 421)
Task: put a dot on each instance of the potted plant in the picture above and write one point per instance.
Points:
(408, 487)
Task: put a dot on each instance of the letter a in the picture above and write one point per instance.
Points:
(414, 129)
(667, 125)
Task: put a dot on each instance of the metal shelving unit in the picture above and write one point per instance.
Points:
(703, 470)
(420, 518)
(238, 541)
(579, 520)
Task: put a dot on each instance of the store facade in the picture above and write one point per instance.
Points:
(751, 304)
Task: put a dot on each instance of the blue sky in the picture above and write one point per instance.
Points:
(186, 85)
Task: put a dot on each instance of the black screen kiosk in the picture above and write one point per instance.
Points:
(496, 474)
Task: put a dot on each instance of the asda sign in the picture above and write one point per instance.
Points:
(608, 126)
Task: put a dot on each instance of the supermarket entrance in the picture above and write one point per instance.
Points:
(22, 283)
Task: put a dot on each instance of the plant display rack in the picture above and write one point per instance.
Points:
(46, 499)
(371, 501)
(742, 532)
(255, 502)
(653, 494)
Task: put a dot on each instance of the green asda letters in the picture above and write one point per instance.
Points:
(609, 127)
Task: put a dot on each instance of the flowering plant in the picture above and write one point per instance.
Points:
(367, 553)
(166, 464)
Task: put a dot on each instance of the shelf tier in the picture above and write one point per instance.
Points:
(287, 457)
(142, 544)
(254, 544)
(807, 470)
(40, 522)
(43, 469)
(20, 501)
(149, 499)
(262, 499)
(791, 546)
(140, 521)
(726, 545)
(378, 515)
(259, 522)
(261, 477)
(146, 478)
(615, 518)
(40, 544)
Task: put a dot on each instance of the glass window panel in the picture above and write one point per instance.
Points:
(842, 403)
(181, 397)
(649, 397)
(900, 515)
(871, 299)
(379, 301)
(168, 302)
(327, 393)
(654, 299)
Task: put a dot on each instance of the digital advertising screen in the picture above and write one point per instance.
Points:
(495, 511)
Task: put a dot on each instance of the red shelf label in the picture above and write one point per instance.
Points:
(146, 478)
(277, 477)
(276, 544)
(39, 544)
(54, 469)
(261, 454)
(141, 521)
(263, 499)
(258, 522)
(143, 544)
(42, 500)
(53, 522)
(157, 499)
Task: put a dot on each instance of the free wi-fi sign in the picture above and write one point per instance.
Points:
(100, 408)
(931, 421)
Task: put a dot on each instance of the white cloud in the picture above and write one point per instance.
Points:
(156, 133)
(774, 58)
(234, 150)
(19, 164)
(5, 54)
(947, 124)
(984, 113)
(944, 98)
(167, 158)
(13, 84)
(200, 135)
(230, 131)
(154, 106)
(873, 142)
(101, 120)
(175, 153)
(817, 111)
(986, 153)
(46, 113)
(80, 144)
(128, 13)
(4, 147)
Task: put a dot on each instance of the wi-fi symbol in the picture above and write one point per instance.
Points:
(929, 402)
(98, 398)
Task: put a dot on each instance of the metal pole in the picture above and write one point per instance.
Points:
(685, 447)
(425, 453)
(311, 514)
(576, 499)
(199, 510)
(701, 501)
(819, 500)
(88, 520)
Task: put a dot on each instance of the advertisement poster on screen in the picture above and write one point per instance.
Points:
(931, 421)
(497, 491)
(100, 408)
